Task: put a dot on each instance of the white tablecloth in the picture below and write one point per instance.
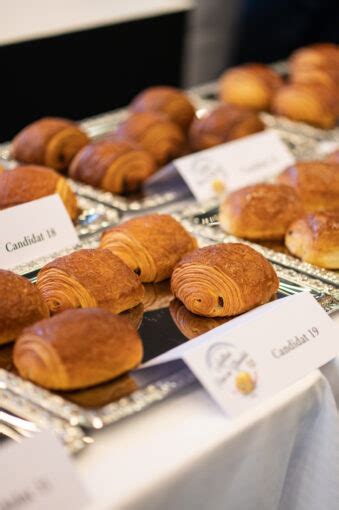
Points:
(184, 454)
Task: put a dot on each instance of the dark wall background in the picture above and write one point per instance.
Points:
(86, 73)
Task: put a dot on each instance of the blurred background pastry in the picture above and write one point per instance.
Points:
(225, 123)
(223, 280)
(116, 166)
(167, 100)
(315, 239)
(26, 183)
(333, 157)
(316, 182)
(89, 278)
(20, 305)
(315, 56)
(249, 85)
(77, 349)
(49, 141)
(157, 295)
(134, 315)
(260, 211)
(156, 133)
(150, 245)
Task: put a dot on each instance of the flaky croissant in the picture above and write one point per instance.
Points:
(77, 349)
(316, 182)
(49, 141)
(315, 239)
(260, 211)
(223, 280)
(26, 183)
(21, 305)
(164, 139)
(168, 100)
(192, 325)
(223, 124)
(150, 245)
(115, 166)
(89, 278)
(249, 85)
(311, 103)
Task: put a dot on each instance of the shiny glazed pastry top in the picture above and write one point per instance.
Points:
(26, 183)
(249, 85)
(223, 280)
(316, 182)
(168, 100)
(116, 166)
(89, 278)
(77, 349)
(157, 134)
(150, 245)
(260, 211)
(21, 305)
(225, 123)
(315, 239)
(49, 141)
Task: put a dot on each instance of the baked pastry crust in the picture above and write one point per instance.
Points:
(26, 183)
(260, 211)
(333, 157)
(320, 55)
(150, 245)
(316, 182)
(223, 124)
(116, 166)
(167, 100)
(21, 305)
(250, 85)
(157, 295)
(77, 349)
(223, 280)
(311, 103)
(49, 141)
(89, 278)
(164, 139)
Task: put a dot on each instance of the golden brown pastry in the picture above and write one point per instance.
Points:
(157, 295)
(320, 55)
(223, 280)
(115, 166)
(89, 278)
(333, 157)
(27, 183)
(316, 182)
(311, 103)
(167, 100)
(260, 211)
(134, 315)
(21, 305)
(164, 139)
(49, 141)
(77, 349)
(192, 325)
(315, 239)
(250, 85)
(150, 245)
(1, 169)
(223, 124)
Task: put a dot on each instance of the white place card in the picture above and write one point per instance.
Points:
(250, 359)
(37, 474)
(33, 230)
(234, 164)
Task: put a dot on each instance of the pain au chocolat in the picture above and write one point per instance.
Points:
(250, 85)
(116, 166)
(167, 100)
(89, 278)
(154, 132)
(21, 305)
(77, 349)
(150, 245)
(223, 280)
(223, 124)
(316, 182)
(260, 211)
(26, 183)
(49, 141)
(315, 239)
